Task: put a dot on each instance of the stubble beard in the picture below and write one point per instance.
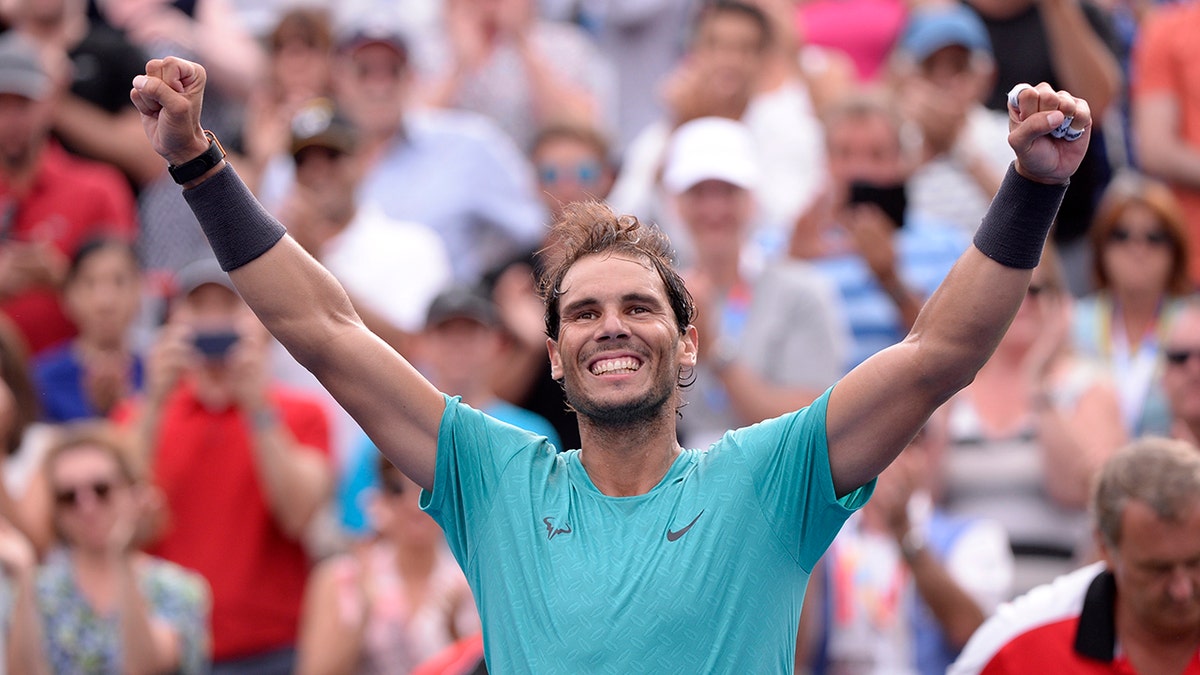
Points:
(619, 415)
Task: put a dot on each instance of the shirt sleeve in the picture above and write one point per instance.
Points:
(788, 458)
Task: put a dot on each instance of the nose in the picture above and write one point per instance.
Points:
(613, 325)
(1182, 587)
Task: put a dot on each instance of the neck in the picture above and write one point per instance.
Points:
(414, 560)
(1153, 652)
(1138, 311)
(101, 344)
(632, 459)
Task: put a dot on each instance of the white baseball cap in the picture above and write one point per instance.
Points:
(711, 148)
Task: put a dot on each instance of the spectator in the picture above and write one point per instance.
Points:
(393, 603)
(1135, 611)
(1181, 374)
(25, 499)
(87, 376)
(573, 164)
(50, 201)
(453, 171)
(1073, 45)
(1166, 108)
(883, 257)
(773, 336)
(101, 605)
(637, 37)
(242, 464)
(459, 352)
(943, 67)
(723, 74)
(1028, 434)
(521, 70)
(299, 69)
(904, 585)
(92, 116)
(1139, 257)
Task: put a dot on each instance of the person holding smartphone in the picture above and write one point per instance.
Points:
(243, 465)
(884, 257)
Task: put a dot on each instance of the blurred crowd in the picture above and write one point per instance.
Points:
(179, 495)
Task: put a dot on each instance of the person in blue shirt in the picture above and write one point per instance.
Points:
(630, 553)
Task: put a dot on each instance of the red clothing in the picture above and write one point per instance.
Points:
(1164, 62)
(71, 201)
(1066, 627)
(219, 523)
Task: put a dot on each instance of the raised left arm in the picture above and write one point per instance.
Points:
(878, 407)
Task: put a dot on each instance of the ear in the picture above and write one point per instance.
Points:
(556, 369)
(689, 347)
(1103, 551)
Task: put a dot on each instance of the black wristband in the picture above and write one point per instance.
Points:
(238, 228)
(1014, 229)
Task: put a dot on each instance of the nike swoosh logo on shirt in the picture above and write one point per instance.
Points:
(672, 535)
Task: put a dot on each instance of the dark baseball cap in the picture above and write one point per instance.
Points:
(22, 71)
(461, 302)
(319, 123)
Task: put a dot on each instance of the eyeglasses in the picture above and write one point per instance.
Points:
(584, 172)
(70, 497)
(1179, 357)
(1121, 235)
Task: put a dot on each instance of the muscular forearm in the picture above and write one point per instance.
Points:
(1087, 68)
(554, 96)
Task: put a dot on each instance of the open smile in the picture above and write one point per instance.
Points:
(616, 365)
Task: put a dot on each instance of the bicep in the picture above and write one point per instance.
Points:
(874, 411)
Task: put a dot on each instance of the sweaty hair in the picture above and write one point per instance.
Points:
(591, 228)
(1161, 473)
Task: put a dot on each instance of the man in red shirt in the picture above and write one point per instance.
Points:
(1136, 611)
(242, 463)
(50, 201)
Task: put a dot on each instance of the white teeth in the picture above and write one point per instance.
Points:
(624, 364)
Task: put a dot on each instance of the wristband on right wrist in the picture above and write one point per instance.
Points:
(1015, 226)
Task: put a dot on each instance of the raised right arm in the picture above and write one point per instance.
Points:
(297, 299)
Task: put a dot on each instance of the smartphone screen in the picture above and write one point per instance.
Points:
(215, 344)
(891, 199)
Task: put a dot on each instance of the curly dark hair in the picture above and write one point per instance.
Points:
(592, 228)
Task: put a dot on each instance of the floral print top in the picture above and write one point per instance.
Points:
(80, 640)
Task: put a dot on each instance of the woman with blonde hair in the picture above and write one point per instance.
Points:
(97, 604)
(1140, 248)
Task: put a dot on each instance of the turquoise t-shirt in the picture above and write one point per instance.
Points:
(705, 573)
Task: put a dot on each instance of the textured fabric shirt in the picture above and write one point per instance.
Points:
(704, 573)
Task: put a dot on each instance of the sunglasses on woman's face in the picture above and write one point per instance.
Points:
(584, 173)
(1121, 235)
(1179, 357)
(70, 497)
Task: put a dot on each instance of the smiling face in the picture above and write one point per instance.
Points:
(619, 349)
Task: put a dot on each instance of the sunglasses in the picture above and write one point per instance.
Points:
(1179, 357)
(1122, 236)
(70, 497)
(584, 173)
